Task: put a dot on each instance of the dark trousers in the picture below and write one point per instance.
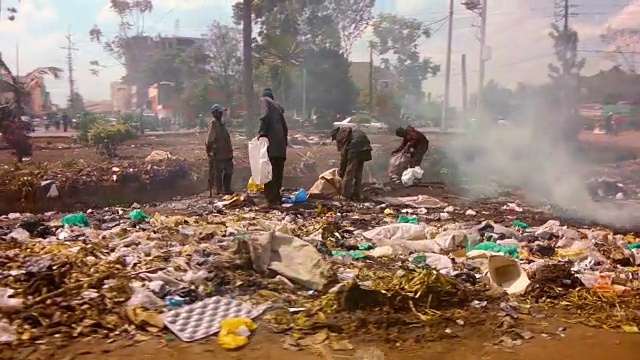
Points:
(352, 181)
(219, 170)
(272, 188)
(418, 155)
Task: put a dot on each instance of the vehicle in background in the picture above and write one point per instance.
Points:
(351, 121)
(150, 121)
(28, 124)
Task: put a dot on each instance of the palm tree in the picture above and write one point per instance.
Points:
(15, 99)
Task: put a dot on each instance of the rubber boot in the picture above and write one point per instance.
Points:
(226, 183)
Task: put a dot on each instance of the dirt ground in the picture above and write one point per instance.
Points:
(574, 343)
(577, 342)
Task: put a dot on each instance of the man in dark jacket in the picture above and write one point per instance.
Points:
(220, 153)
(414, 142)
(355, 149)
(273, 126)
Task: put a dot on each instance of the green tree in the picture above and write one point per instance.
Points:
(497, 99)
(76, 104)
(397, 41)
(223, 49)
(565, 76)
(331, 88)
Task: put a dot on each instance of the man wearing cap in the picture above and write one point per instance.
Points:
(273, 126)
(220, 153)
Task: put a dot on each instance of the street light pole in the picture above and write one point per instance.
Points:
(483, 40)
(447, 81)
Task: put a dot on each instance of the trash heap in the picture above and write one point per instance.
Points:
(314, 269)
(23, 184)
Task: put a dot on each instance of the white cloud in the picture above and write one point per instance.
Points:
(106, 15)
(29, 12)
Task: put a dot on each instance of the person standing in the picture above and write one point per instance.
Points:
(273, 126)
(355, 149)
(220, 154)
(65, 122)
(414, 142)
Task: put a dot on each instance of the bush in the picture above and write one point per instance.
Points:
(84, 125)
(115, 133)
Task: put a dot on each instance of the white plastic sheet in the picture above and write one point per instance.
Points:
(259, 161)
(410, 176)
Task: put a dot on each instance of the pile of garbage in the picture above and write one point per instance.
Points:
(312, 270)
(26, 181)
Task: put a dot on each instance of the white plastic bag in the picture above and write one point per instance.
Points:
(259, 161)
(410, 176)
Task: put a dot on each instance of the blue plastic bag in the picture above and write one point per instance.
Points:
(300, 197)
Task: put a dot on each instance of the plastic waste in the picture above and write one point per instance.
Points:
(507, 273)
(7, 333)
(520, 225)
(261, 170)
(138, 216)
(404, 219)
(8, 304)
(19, 234)
(253, 187)
(410, 176)
(235, 332)
(79, 220)
(354, 254)
(495, 248)
(299, 197)
(143, 297)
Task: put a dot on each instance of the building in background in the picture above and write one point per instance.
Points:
(120, 97)
(140, 50)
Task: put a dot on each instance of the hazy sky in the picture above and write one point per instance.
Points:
(517, 32)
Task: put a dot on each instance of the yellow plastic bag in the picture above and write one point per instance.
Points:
(234, 332)
(252, 187)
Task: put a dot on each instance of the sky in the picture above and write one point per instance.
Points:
(517, 32)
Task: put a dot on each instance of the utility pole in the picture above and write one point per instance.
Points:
(18, 59)
(447, 81)
(483, 41)
(465, 104)
(371, 94)
(247, 63)
(72, 81)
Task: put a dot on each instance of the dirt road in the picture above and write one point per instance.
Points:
(579, 343)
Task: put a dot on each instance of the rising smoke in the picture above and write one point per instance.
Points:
(526, 155)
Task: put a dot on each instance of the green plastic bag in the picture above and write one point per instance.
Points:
(79, 220)
(404, 219)
(138, 215)
(493, 247)
(354, 254)
(633, 246)
(520, 225)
